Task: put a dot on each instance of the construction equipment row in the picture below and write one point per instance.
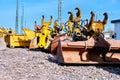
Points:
(82, 41)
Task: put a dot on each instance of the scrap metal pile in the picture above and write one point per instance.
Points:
(82, 41)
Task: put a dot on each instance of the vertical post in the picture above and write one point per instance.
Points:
(22, 18)
(59, 10)
(16, 22)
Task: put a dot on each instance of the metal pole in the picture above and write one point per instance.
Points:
(59, 10)
(16, 22)
(22, 18)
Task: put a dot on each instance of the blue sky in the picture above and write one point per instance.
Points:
(34, 9)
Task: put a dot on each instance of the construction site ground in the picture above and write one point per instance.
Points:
(22, 64)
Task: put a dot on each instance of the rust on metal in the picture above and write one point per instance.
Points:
(89, 51)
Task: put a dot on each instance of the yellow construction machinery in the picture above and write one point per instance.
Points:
(55, 34)
(56, 29)
(73, 24)
(4, 32)
(43, 36)
(40, 38)
(12, 39)
(70, 28)
(30, 34)
(17, 40)
(95, 28)
(86, 44)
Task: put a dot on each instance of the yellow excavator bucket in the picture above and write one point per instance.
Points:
(30, 34)
(17, 40)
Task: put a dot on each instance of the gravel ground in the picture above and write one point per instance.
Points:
(22, 64)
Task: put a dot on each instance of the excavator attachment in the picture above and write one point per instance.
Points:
(54, 44)
(88, 52)
(85, 44)
(41, 35)
(30, 34)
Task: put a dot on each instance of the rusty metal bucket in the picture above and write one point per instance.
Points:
(87, 52)
(55, 41)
